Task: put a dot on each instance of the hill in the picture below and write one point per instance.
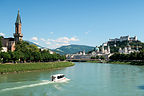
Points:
(71, 49)
(133, 44)
(34, 44)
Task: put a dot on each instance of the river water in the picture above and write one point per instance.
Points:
(87, 79)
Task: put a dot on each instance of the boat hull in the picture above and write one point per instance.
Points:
(61, 80)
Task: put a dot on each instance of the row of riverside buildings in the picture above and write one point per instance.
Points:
(104, 50)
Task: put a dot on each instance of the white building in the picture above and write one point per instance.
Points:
(127, 50)
(42, 49)
(104, 51)
(51, 52)
(4, 49)
(124, 38)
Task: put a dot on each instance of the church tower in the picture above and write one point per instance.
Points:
(18, 35)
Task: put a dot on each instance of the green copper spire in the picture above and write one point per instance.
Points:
(18, 20)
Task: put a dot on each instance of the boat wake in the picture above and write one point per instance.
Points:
(44, 82)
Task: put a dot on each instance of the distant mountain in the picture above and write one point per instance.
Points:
(70, 49)
(34, 44)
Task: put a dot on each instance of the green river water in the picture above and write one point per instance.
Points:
(87, 79)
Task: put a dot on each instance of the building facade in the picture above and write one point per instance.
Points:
(128, 50)
(124, 38)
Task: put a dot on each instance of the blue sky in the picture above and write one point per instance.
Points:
(53, 23)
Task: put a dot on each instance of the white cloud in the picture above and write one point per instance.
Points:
(74, 39)
(63, 40)
(48, 42)
(2, 34)
(51, 40)
(53, 46)
(66, 39)
(58, 45)
(42, 39)
(55, 43)
(86, 32)
(35, 38)
(51, 32)
(45, 41)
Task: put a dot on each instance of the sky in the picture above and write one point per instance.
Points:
(55, 23)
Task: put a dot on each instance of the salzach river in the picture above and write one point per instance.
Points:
(87, 79)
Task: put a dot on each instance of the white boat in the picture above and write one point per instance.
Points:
(59, 78)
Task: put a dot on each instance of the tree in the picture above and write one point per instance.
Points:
(36, 56)
(21, 46)
(62, 58)
(115, 56)
(5, 57)
(102, 57)
(92, 57)
(32, 48)
(97, 57)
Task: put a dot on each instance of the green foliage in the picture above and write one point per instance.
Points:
(102, 57)
(5, 56)
(137, 63)
(93, 58)
(26, 52)
(97, 57)
(119, 62)
(15, 56)
(36, 56)
(123, 44)
(137, 43)
(131, 56)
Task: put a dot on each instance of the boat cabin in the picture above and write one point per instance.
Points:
(57, 77)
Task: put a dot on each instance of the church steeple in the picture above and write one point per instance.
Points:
(18, 20)
(18, 35)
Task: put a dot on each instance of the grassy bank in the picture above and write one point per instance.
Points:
(22, 67)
